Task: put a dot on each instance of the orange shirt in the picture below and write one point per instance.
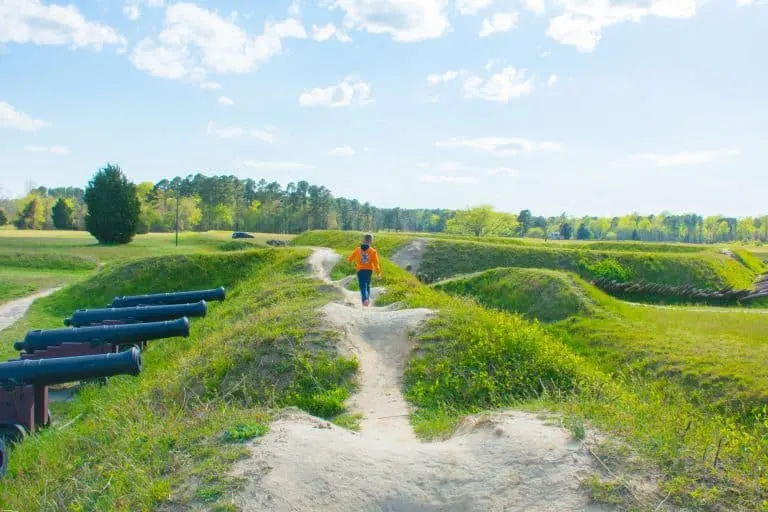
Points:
(365, 260)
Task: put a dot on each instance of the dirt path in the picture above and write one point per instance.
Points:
(509, 461)
(15, 309)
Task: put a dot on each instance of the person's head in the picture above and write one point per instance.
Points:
(368, 239)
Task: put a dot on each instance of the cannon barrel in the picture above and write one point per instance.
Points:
(116, 334)
(46, 372)
(136, 314)
(168, 298)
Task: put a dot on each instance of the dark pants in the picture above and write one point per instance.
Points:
(364, 279)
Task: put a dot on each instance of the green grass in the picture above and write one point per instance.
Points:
(718, 355)
(168, 434)
(749, 260)
(536, 294)
(711, 456)
(81, 243)
(708, 270)
(19, 282)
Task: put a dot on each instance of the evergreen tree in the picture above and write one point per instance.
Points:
(63, 214)
(583, 232)
(32, 216)
(113, 206)
(566, 230)
(3, 218)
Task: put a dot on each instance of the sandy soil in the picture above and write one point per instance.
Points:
(409, 257)
(15, 309)
(508, 461)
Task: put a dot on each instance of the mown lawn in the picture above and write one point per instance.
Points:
(19, 282)
(81, 243)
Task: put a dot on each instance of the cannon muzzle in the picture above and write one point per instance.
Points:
(115, 334)
(47, 372)
(168, 298)
(135, 314)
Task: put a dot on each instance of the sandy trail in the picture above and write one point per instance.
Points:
(504, 462)
(11, 311)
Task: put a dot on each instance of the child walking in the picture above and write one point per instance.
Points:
(366, 261)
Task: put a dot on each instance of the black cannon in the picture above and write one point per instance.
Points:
(98, 339)
(168, 298)
(24, 386)
(136, 314)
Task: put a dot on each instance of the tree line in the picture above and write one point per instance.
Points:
(226, 202)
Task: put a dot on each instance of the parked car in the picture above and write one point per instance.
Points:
(242, 234)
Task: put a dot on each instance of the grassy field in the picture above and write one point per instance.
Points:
(34, 260)
(19, 282)
(444, 259)
(171, 433)
(675, 385)
(633, 371)
(82, 244)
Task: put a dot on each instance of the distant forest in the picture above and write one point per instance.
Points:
(230, 203)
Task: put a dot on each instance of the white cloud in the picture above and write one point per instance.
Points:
(454, 180)
(583, 21)
(210, 85)
(225, 100)
(503, 171)
(228, 132)
(350, 92)
(12, 118)
(196, 41)
(742, 3)
(684, 157)
(673, 8)
(342, 151)
(295, 8)
(491, 64)
(500, 146)
(403, 20)
(506, 84)
(274, 165)
(536, 6)
(29, 21)
(328, 31)
(132, 11)
(472, 6)
(552, 80)
(56, 150)
(499, 22)
(546, 54)
(132, 8)
(435, 78)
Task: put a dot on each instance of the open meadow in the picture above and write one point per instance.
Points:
(677, 391)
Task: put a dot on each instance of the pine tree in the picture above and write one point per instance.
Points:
(3, 218)
(63, 214)
(113, 206)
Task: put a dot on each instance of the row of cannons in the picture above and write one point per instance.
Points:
(95, 345)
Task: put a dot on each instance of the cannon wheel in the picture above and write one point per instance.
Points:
(12, 432)
(3, 458)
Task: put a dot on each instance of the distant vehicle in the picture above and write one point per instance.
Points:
(241, 234)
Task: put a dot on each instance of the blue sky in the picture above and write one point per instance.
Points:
(577, 106)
